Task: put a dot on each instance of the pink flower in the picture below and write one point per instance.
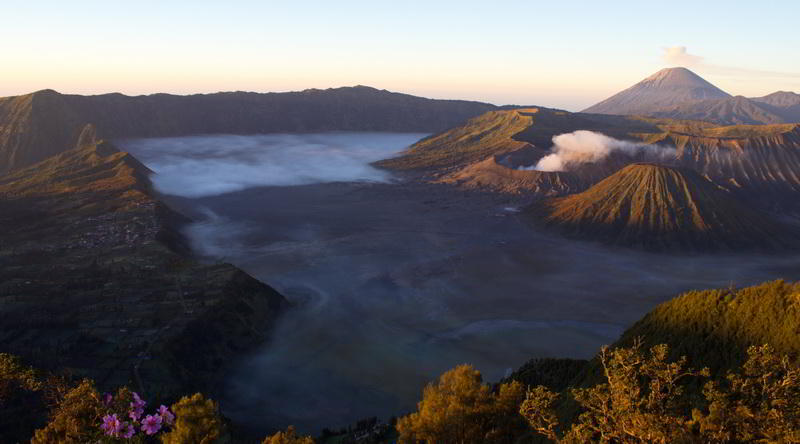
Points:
(107, 399)
(166, 415)
(151, 424)
(111, 425)
(137, 403)
(129, 431)
(136, 413)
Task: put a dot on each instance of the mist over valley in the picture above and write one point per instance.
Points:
(395, 281)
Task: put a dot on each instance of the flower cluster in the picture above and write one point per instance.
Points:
(115, 427)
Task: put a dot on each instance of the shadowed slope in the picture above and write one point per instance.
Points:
(92, 279)
(657, 207)
(38, 125)
(730, 111)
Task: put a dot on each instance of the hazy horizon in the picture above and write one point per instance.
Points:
(538, 54)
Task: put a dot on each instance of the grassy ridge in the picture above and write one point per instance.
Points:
(489, 134)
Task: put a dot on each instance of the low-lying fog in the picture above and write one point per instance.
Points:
(396, 282)
(215, 164)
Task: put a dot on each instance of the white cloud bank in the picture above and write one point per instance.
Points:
(210, 165)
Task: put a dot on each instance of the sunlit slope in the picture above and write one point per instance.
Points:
(760, 163)
(661, 208)
(491, 175)
(505, 131)
(489, 134)
(715, 327)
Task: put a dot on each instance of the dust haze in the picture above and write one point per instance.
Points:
(394, 283)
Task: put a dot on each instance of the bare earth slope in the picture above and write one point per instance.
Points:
(488, 134)
(90, 279)
(759, 163)
(661, 208)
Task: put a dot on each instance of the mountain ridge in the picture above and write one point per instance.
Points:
(679, 93)
(41, 124)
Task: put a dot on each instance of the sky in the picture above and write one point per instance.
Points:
(565, 54)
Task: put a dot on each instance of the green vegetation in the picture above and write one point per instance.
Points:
(716, 327)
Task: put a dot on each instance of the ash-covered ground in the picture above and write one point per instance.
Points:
(395, 281)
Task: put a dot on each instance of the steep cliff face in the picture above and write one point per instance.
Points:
(36, 126)
(759, 163)
(89, 280)
(662, 208)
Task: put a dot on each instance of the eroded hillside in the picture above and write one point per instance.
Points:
(91, 279)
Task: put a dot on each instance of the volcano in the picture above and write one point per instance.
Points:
(662, 208)
(664, 89)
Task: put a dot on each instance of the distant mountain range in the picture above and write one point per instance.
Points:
(38, 125)
(679, 93)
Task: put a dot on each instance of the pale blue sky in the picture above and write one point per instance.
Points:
(566, 54)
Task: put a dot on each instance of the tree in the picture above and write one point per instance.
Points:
(75, 419)
(642, 401)
(459, 408)
(288, 437)
(15, 376)
(197, 420)
(758, 405)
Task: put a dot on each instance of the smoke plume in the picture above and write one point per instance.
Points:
(579, 147)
